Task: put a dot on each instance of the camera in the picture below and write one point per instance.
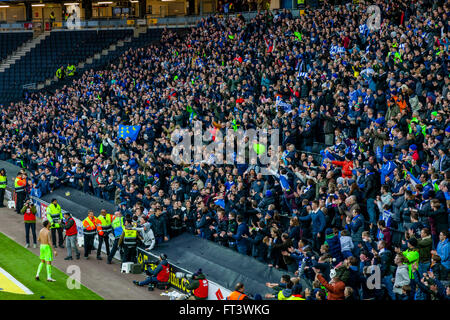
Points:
(182, 275)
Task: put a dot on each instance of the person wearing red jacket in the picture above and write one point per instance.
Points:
(29, 217)
(347, 166)
(70, 227)
(335, 287)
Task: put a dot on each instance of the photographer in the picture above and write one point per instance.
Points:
(159, 275)
(29, 217)
(198, 287)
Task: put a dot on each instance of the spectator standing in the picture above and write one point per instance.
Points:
(29, 217)
(70, 226)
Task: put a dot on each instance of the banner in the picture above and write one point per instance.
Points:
(215, 291)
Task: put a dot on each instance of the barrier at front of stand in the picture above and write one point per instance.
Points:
(215, 291)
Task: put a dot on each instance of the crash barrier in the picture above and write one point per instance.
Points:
(179, 277)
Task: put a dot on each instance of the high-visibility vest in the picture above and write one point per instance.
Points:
(89, 226)
(236, 295)
(54, 215)
(300, 2)
(18, 187)
(105, 223)
(59, 73)
(130, 237)
(202, 290)
(295, 297)
(117, 225)
(281, 296)
(3, 182)
(71, 70)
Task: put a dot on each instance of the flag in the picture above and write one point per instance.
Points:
(220, 203)
(284, 183)
(286, 106)
(101, 148)
(131, 132)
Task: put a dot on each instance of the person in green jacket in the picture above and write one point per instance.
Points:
(412, 255)
(424, 246)
(55, 217)
(198, 286)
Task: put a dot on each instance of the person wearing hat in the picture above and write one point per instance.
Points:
(70, 227)
(412, 256)
(198, 286)
(347, 165)
(413, 152)
(3, 182)
(160, 274)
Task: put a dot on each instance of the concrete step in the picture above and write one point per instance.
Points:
(22, 51)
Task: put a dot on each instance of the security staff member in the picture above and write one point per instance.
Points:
(118, 226)
(19, 186)
(300, 4)
(89, 232)
(52, 19)
(129, 239)
(3, 182)
(55, 217)
(238, 293)
(60, 73)
(70, 70)
(199, 286)
(104, 228)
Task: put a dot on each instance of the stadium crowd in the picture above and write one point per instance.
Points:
(364, 169)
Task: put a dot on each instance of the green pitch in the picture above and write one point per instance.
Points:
(22, 265)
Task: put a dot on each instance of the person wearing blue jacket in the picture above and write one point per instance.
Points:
(356, 227)
(317, 224)
(443, 250)
(334, 245)
(242, 233)
(387, 169)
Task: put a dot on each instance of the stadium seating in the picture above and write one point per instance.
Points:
(10, 41)
(144, 39)
(58, 49)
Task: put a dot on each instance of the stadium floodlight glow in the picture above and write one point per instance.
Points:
(38, 5)
(71, 4)
(134, 1)
(7, 6)
(105, 2)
